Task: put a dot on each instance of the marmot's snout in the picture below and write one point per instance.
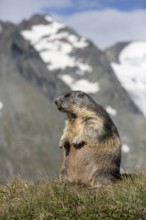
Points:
(58, 103)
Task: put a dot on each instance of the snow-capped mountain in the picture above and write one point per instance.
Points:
(40, 59)
(56, 45)
(131, 71)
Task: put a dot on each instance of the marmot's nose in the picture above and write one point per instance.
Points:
(56, 101)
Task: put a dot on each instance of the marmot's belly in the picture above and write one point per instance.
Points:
(83, 165)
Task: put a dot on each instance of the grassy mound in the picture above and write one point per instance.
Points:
(52, 199)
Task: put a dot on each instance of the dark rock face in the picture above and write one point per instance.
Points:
(30, 125)
(113, 52)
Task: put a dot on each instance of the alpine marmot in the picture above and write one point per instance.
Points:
(91, 141)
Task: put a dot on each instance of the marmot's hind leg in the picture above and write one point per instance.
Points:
(104, 179)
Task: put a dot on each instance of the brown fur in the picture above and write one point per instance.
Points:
(92, 155)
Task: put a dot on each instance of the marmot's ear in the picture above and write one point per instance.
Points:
(81, 94)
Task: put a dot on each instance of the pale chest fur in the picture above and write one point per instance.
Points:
(73, 128)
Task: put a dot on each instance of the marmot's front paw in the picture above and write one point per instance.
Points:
(78, 142)
(63, 143)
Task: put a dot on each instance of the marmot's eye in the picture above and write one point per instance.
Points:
(81, 95)
(67, 95)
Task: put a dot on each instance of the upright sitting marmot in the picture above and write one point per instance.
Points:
(91, 141)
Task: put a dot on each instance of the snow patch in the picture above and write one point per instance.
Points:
(1, 105)
(131, 72)
(83, 68)
(111, 110)
(125, 148)
(39, 31)
(59, 36)
(55, 45)
(49, 18)
(77, 42)
(57, 60)
(81, 84)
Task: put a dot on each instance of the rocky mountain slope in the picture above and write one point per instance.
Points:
(41, 58)
(28, 140)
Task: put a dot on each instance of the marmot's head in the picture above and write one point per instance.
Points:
(76, 103)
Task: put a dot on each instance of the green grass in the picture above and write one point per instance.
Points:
(52, 199)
